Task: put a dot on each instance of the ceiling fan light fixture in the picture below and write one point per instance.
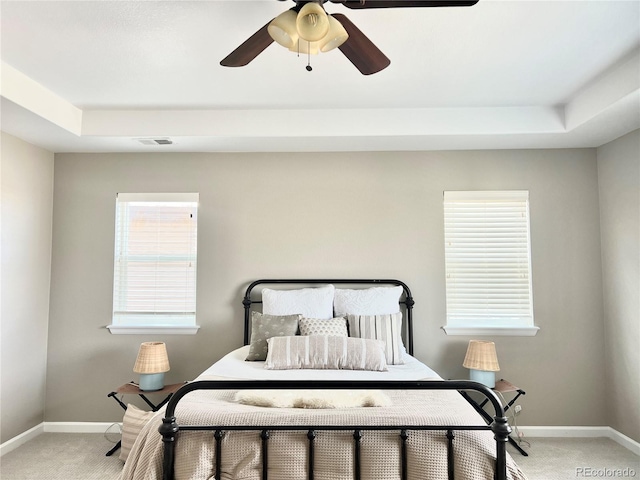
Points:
(312, 22)
(336, 36)
(283, 29)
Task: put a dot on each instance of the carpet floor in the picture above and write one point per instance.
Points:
(575, 458)
(81, 456)
(62, 456)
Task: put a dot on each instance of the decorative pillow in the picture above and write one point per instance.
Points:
(310, 302)
(367, 301)
(336, 327)
(324, 352)
(133, 422)
(387, 328)
(267, 326)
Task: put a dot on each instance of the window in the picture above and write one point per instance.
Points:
(154, 281)
(488, 263)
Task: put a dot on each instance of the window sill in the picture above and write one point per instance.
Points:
(153, 330)
(492, 331)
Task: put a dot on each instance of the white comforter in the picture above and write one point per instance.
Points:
(474, 451)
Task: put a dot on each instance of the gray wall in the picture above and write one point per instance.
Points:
(26, 194)
(619, 181)
(330, 215)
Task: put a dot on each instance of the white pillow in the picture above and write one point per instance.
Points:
(367, 301)
(324, 352)
(336, 327)
(310, 302)
(387, 328)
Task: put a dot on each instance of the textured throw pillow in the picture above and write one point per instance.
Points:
(367, 301)
(267, 326)
(310, 302)
(387, 328)
(336, 327)
(133, 422)
(323, 352)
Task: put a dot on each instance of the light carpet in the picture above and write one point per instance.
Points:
(81, 456)
(62, 456)
(575, 458)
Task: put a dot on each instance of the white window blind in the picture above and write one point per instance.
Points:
(155, 260)
(488, 259)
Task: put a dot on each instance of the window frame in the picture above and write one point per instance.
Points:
(491, 319)
(168, 320)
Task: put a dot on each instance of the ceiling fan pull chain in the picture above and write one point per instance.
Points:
(308, 67)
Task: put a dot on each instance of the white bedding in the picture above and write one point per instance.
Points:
(233, 366)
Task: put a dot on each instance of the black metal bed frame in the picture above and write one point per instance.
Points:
(170, 427)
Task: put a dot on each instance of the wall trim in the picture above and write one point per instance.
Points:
(21, 439)
(582, 432)
(528, 431)
(627, 442)
(78, 427)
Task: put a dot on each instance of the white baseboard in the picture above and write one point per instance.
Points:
(582, 432)
(565, 431)
(628, 443)
(531, 432)
(78, 427)
(21, 439)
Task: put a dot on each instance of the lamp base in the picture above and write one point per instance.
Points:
(483, 376)
(151, 381)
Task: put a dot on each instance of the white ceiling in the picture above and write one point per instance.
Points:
(95, 76)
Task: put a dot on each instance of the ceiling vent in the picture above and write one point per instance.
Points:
(155, 141)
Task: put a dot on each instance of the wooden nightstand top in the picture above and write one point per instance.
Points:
(503, 386)
(132, 388)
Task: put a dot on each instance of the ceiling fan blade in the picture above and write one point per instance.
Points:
(360, 50)
(358, 4)
(250, 49)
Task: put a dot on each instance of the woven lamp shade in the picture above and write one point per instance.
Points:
(481, 355)
(152, 358)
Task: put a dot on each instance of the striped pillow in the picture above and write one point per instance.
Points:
(133, 422)
(325, 352)
(387, 328)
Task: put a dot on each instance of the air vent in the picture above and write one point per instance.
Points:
(155, 141)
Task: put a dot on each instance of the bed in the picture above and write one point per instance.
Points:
(323, 405)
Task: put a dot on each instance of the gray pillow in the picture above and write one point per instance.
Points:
(265, 326)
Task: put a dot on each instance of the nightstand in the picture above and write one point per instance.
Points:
(131, 388)
(502, 387)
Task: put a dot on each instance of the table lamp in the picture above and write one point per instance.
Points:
(482, 361)
(151, 364)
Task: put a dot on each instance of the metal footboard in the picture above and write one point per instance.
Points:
(170, 428)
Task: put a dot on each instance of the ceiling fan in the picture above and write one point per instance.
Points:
(307, 28)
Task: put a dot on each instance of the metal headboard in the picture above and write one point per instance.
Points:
(406, 299)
